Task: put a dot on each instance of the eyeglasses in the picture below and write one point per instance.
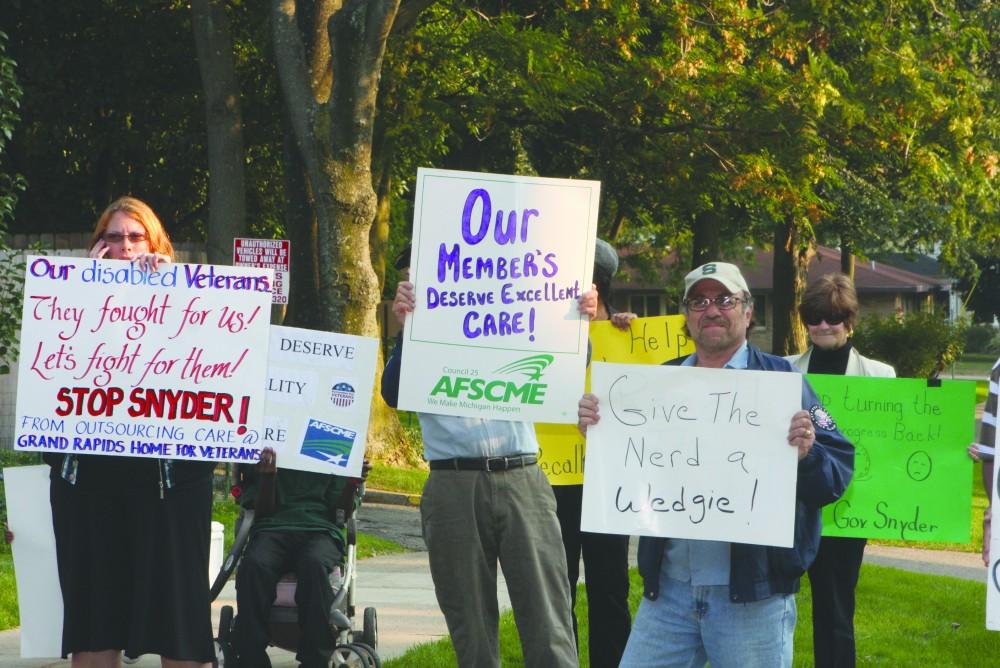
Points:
(723, 303)
(814, 319)
(118, 237)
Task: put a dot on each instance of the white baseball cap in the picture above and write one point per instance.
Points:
(727, 274)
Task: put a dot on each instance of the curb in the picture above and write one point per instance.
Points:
(392, 498)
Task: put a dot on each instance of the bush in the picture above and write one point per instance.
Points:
(981, 338)
(918, 345)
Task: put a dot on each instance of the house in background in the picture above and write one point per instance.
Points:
(883, 289)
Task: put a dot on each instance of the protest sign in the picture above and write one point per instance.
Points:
(993, 572)
(647, 341)
(39, 598)
(498, 263)
(266, 254)
(687, 452)
(319, 393)
(911, 470)
(116, 360)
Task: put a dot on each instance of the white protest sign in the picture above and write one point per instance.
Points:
(120, 361)
(686, 452)
(993, 572)
(267, 254)
(497, 265)
(319, 394)
(39, 598)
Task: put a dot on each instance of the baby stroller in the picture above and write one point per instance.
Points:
(353, 650)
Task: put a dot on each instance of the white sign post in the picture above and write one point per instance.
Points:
(686, 452)
(319, 394)
(993, 572)
(120, 361)
(39, 598)
(498, 263)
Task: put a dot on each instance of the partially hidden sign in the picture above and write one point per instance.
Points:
(655, 340)
(911, 471)
(169, 364)
(686, 452)
(993, 572)
(319, 394)
(267, 254)
(498, 264)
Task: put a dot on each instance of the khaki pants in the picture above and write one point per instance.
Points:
(472, 520)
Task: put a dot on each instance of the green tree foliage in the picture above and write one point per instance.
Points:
(918, 345)
(983, 291)
(113, 104)
(11, 268)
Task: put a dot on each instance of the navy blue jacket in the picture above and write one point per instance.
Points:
(759, 571)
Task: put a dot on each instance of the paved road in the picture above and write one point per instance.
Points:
(400, 587)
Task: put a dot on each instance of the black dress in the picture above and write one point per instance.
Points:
(133, 566)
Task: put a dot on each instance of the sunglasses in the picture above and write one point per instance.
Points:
(117, 237)
(814, 319)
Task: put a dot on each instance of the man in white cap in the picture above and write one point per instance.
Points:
(733, 604)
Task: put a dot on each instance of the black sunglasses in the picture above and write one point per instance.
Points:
(814, 319)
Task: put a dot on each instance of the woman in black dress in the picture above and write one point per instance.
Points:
(132, 534)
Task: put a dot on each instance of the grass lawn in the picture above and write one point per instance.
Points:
(395, 479)
(8, 591)
(974, 364)
(903, 620)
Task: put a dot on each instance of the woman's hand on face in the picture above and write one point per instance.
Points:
(99, 250)
(150, 261)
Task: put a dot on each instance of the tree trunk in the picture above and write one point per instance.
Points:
(224, 119)
(791, 264)
(332, 126)
(706, 244)
(380, 230)
(847, 258)
(300, 223)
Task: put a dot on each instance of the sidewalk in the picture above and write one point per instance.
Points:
(400, 587)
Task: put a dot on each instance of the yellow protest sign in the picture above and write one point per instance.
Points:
(646, 341)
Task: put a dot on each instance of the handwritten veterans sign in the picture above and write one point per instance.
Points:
(119, 361)
(319, 392)
(647, 341)
(498, 263)
(686, 452)
(911, 471)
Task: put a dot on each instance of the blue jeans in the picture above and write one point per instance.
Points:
(688, 626)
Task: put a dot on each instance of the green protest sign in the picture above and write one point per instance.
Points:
(911, 472)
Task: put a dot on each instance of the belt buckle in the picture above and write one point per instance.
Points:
(489, 469)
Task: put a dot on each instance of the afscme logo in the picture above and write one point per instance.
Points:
(532, 367)
(504, 391)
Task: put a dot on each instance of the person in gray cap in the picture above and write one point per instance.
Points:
(605, 556)
(733, 604)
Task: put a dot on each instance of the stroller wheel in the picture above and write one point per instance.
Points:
(369, 632)
(223, 644)
(372, 655)
(351, 656)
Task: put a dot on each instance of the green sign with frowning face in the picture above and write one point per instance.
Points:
(912, 476)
